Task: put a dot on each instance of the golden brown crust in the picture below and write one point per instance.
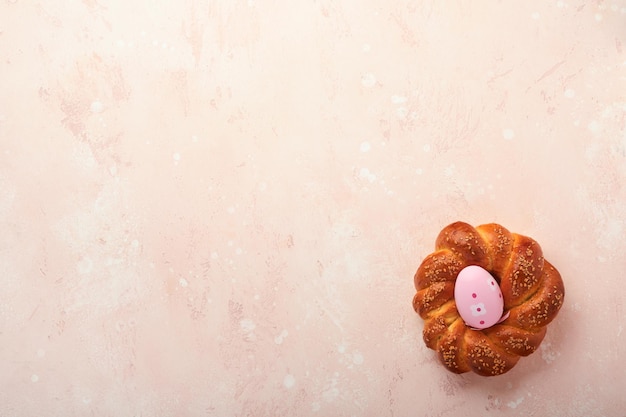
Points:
(532, 289)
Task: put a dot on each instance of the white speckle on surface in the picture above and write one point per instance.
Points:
(357, 358)
(569, 93)
(368, 80)
(41, 353)
(96, 107)
(426, 148)
(263, 186)
(598, 17)
(419, 171)
(289, 381)
(535, 15)
(231, 210)
(34, 378)
(508, 134)
(514, 404)
(247, 325)
(449, 170)
(176, 157)
(365, 147)
(331, 392)
(366, 174)
(366, 47)
(341, 349)
(134, 243)
(547, 353)
(183, 282)
(397, 99)
(214, 255)
(594, 127)
(281, 337)
(238, 251)
(84, 266)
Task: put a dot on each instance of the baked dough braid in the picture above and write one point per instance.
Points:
(531, 287)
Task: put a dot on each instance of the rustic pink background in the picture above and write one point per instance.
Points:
(215, 208)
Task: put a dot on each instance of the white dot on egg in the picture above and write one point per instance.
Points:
(357, 358)
(598, 17)
(183, 282)
(34, 378)
(508, 134)
(366, 47)
(365, 147)
(569, 93)
(536, 15)
(426, 148)
(289, 381)
(41, 353)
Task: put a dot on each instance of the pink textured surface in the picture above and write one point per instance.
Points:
(216, 208)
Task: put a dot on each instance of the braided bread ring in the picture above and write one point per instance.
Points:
(531, 287)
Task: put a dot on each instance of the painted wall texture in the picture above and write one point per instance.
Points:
(216, 208)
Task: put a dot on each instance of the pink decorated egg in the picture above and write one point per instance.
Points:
(478, 297)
